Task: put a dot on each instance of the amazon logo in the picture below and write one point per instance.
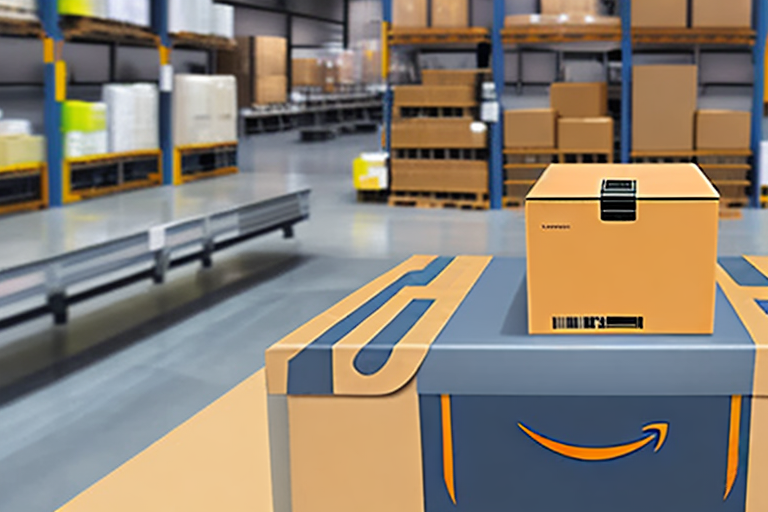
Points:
(655, 432)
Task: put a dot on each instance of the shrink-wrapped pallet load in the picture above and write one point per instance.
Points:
(223, 21)
(132, 117)
(85, 129)
(204, 109)
(21, 149)
(136, 12)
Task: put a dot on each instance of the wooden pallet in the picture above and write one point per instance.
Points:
(734, 202)
(513, 203)
(586, 157)
(38, 171)
(724, 36)
(429, 36)
(530, 158)
(400, 112)
(445, 200)
(17, 22)
(98, 29)
(204, 41)
(528, 34)
(441, 154)
(372, 196)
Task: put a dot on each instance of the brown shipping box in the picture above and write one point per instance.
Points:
(236, 63)
(662, 13)
(663, 107)
(722, 13)
(574, 99)
(581, 293)
(454, 76)
(585, 135)
(409, 13)
(450, 13)
(439, 134)
(723, 129)
(588, 7)
(439, 176)
(270, 56)
(306, 73)
(534, 128)
(271, 89)
(435, 96)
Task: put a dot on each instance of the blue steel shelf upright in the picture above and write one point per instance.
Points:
(55, 94)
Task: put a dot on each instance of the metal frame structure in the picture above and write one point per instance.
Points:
(50, 286)
(500, 36)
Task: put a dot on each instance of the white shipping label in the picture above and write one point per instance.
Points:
(166, 78)
(490, 112)
(157, 238)
(381, 174)
(764, 163)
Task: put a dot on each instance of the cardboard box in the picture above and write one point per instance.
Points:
(638, 261)
(271, 89)
(471, 77)
(457, 176)
(589, 99)
(439, 134)
(722, 14)
(585, 135)
(723, 129)
(409, 13)
(535, 128)
(270, 54)
(664, 100)
(661, 13)
(556, 7)
(435, 96)
(306, 73)
(450, 13)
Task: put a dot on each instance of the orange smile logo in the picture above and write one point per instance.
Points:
(655, 431)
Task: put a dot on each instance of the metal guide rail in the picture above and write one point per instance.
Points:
(50, 286)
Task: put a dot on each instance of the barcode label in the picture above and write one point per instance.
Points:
(576, 323)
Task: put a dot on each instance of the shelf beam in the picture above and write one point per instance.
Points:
(385, 51)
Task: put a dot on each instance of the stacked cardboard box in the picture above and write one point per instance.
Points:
(260, 66)
(19, 9)
(306, 73)
(444, 13)
(660, 13)
(664, 99)
(557, 7)
(720, 14)
(727, 131)
(583, 125)
(434, 128)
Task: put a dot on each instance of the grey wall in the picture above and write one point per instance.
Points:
(250, 22)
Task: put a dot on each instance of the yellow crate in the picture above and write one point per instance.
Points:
(369, 172)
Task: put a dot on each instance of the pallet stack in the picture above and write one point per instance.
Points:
(439, 148)
(575, 129)
(667, 127)
(722, 152)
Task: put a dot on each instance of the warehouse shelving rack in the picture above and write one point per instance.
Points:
(627, 37)
(447, 38)
(71, 180)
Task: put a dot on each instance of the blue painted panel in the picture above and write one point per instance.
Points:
(498, 467)
(743, 272)
(310, 372)
(485, 349)
(626, 78)
(372, 358)
(758, 98)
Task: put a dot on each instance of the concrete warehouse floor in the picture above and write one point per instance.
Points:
(184, 345)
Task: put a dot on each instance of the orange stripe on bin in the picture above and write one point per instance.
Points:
(733, 446)
(445, 401)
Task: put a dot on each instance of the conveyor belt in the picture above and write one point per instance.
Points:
(145, 255)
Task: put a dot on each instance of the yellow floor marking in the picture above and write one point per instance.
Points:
(218, 460)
